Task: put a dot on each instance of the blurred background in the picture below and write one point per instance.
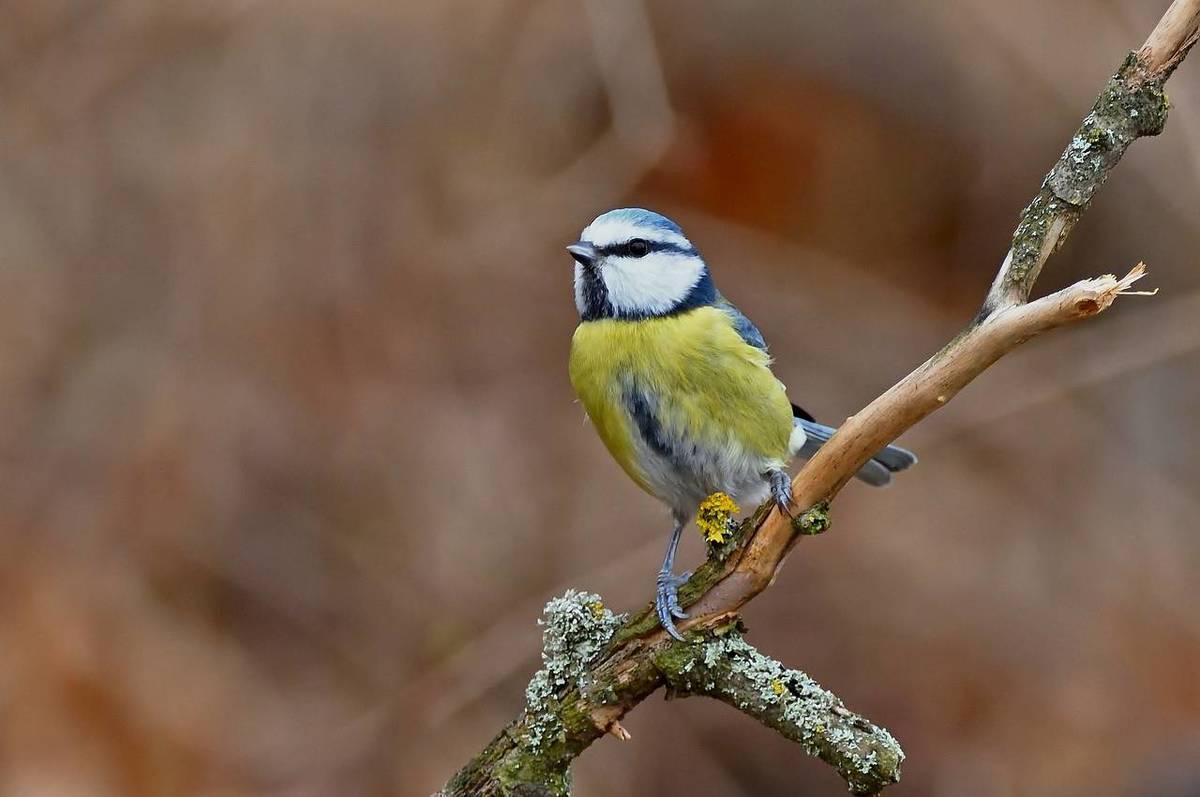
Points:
(289, 460)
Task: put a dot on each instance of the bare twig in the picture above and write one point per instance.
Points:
(1171, 38)
(926, 389)
(597, 666)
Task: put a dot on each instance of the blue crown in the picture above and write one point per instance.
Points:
(642, 218)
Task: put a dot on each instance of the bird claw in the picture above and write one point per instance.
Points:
(781, 491)
(666, 601)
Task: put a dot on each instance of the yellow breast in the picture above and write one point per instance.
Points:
(710, 387)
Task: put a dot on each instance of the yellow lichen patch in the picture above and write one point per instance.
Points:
(597, 609)
(777, 687)
(715, 517)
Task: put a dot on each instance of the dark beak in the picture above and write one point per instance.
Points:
(584, 253)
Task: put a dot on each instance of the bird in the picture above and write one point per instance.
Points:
(678, 384)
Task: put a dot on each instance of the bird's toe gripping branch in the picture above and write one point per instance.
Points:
(598, 667)
(666, 600)
(573, 700)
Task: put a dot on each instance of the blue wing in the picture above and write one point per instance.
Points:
(744, 326)
(878, 470)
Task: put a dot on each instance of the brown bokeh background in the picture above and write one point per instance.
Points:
(289, 461)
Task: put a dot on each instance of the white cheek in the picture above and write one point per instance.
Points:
(652, 284)
(579, 302)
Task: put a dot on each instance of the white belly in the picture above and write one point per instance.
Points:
(687, 474)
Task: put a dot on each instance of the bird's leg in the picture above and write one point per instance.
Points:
(781, 490)
(666, 602)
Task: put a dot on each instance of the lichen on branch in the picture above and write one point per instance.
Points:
(575, 630)
(581, 691)
(1133, 104)
(725, 667)
(597, 667)
(532, 756)
(715, 518)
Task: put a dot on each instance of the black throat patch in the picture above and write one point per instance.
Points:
(593, 296)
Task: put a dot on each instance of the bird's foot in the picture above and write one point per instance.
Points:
(666, 602)
(781, 491)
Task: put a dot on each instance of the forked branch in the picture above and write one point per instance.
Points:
(599, 666)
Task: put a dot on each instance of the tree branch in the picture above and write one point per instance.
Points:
(724, 666)
(597, 666)
(1171, 38)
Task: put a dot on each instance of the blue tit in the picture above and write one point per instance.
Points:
(678, 383)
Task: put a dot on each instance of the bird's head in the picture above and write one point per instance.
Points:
(633, 263)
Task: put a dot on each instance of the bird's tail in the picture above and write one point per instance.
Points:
(878, 470)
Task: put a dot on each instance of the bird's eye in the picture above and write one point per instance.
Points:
(638, 247)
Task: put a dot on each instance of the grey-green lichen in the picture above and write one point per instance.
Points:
(1132, 104)
(1032, 235)
(576, 629)
(567, 701)
(724, 666)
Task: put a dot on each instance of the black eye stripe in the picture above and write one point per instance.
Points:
(624, 249)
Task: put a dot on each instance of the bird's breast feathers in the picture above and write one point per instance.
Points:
(682, 402)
